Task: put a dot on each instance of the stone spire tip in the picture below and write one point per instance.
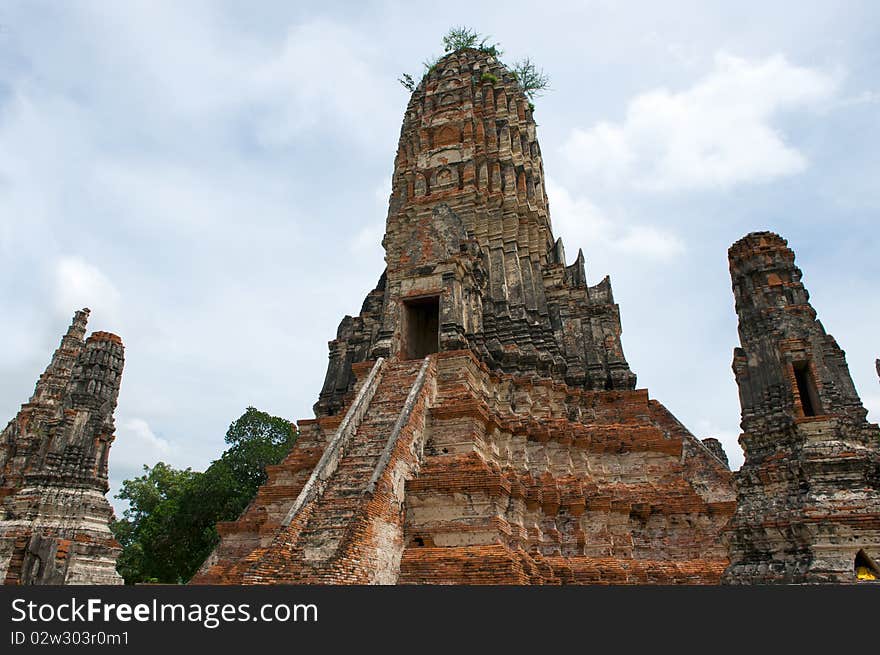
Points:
(80, 319)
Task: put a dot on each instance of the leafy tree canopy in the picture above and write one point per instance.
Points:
(169, 527)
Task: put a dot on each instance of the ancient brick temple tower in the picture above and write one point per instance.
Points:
(478, 421)
(54, 518)
(809, 492)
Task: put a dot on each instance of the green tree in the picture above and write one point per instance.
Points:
(461, 37)
(149, 498)
(169, 527)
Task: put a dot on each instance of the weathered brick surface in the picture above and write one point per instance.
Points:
(54, 517)
(809, 490)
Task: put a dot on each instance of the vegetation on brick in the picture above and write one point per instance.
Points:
(460, 37)
(532, 80)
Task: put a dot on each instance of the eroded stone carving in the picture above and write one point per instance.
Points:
(54, 517)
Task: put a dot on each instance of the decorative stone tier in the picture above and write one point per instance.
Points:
(54, 517)
(496, 564)
(808, 493)
(490, 478)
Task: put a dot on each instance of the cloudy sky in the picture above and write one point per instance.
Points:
(211, 179)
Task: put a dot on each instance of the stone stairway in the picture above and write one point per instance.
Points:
(349, 502)
(333, 513)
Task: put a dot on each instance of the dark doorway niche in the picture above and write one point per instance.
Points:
(806, 385)
(421, 327)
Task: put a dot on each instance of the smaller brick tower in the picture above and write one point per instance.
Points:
(54, 517)
(808, 507)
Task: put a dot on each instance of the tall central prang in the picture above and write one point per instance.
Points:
(471, 258)
(479, 422)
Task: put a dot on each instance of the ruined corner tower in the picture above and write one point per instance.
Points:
(479, 421)
(54, 517)
(808, 506)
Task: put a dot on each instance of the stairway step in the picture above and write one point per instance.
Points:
(348, 491)
(358, 461)
(373, 450)
(326, 527)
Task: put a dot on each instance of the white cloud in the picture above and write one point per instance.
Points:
(863, 98)
(182, 66)
(321, 72)
(583, 224)
(717, 134)
(369, 237)
(136, 445)
(81, 284)
(649, 241)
